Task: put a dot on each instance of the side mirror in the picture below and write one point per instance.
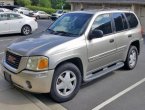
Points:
(95, 34)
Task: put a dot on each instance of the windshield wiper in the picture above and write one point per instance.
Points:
(51, 30)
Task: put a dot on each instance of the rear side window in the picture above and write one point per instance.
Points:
(120, 21)
(132, 20)
(14, 16)
(3, 17)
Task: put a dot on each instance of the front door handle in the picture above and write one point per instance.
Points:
(111, 40)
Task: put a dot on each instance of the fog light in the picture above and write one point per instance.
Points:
(29, 84)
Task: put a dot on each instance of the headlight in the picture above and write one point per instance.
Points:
(37, 63)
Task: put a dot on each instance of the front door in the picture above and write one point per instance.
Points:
(102, 51)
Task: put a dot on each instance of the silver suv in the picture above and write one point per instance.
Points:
(78, 47)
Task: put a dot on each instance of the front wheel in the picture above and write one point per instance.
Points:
(66, 82)
(132, 58)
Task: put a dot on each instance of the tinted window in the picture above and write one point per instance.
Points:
(103, 23)
(3, 17)
(124, 22)
(120, 21)
(133, 22)
(13, 16)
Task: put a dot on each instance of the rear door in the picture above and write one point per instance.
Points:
(16, 22)
(125, 31)
(4, 26)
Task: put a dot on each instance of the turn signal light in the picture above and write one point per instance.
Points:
(42, 64)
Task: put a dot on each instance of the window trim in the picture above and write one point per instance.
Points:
(115, 32)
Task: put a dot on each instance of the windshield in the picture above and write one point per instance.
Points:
(71, 23)
(59, 11)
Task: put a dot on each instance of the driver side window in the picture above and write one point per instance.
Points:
(103, 23)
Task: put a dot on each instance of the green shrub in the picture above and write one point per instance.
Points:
(36, 8)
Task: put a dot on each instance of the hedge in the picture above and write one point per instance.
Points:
(36, 8)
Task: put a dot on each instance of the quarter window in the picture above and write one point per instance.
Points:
(132, 20)
(103, 23)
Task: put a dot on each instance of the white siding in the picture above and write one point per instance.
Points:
(142, 16)
(6, 2)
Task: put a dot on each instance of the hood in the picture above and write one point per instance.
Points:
(38, 45)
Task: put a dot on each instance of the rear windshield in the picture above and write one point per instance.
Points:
(132, 20)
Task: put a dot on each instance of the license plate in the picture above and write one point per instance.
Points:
(8, 77)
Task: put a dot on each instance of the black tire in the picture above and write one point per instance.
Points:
(127, 65)
(56, 96)
(21, 12)
(26, 30)
(48, 18)
(37, 17)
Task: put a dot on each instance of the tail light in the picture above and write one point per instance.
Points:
(142, 31)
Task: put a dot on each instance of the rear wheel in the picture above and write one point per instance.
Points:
(37, 17)
(132, 58)
(26, 30)
(66, 82)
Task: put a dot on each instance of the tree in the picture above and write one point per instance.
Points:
(35, 2)
(45, 3)
(23, 2)
(60, 4)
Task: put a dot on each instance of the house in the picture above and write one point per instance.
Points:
(138, 6)
(6, 2)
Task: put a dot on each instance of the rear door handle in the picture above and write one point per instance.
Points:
(129, 35)
(111, 40)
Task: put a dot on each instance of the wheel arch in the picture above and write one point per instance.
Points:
(76, 61)
(136, 44)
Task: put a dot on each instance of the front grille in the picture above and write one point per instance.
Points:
(13, 60)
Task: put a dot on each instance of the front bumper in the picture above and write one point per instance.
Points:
(37, 82)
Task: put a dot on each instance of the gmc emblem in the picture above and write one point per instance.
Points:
(11, 59)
